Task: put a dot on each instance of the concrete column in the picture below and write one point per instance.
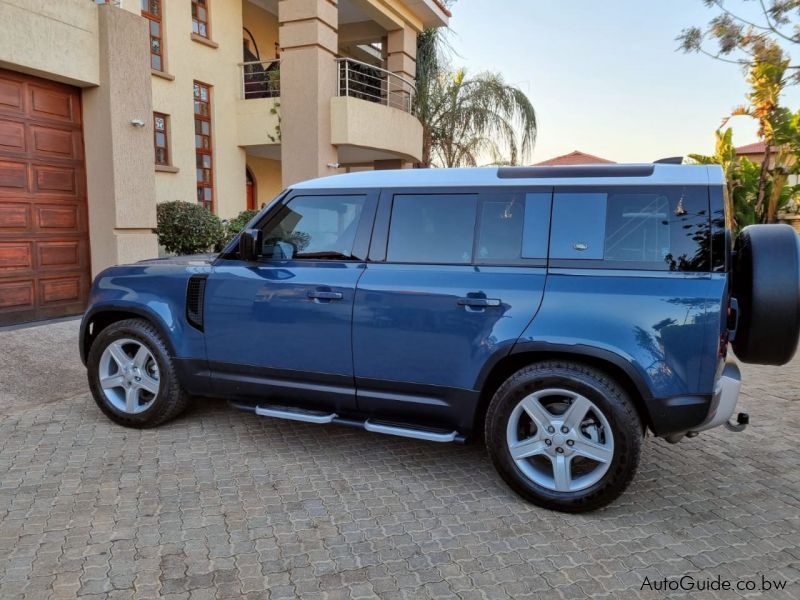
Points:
(401, 59)
(119, 155)
(308, 34)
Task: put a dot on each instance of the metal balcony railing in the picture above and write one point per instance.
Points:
(361, 80)
(261, 79)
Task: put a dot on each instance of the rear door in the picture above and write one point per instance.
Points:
(451, 284)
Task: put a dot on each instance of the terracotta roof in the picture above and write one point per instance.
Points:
(441, 5)
(755, 148)
(574, 158)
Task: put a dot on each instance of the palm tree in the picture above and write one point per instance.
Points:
(468, 119)
(767, 78)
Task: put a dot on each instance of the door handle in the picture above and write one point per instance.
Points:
(325, 295)
(478, 302)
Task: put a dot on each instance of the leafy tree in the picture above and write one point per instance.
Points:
(759, 46)
(735, 38)
(767, 80)
(742, 176)
(467, 118)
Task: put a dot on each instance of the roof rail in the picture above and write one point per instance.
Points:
(575, 171)
(670, 160)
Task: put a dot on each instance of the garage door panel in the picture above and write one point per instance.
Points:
(12, 136)
(54, 218)
(63, 289)
(53, 103)
(49, 142)
(16, 294)
(15, 257)
(11, 95)
(15, 217)
(50, 178)
(62, 254)
(13, 176)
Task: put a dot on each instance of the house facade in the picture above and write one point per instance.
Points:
(107, 108)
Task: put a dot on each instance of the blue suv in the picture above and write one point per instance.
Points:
(559, 313)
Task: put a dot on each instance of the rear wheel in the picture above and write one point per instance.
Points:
(132, 376)
(564, 436)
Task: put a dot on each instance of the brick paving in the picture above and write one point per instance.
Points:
(223, 504)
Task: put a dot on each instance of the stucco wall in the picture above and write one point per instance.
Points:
(367, 124)
(119, 163)
(188, 60)
(267, 174)
(56, 40)
(256, 122)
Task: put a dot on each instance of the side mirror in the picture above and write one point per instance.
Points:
(250, 244)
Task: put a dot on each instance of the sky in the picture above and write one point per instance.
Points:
(605, 77)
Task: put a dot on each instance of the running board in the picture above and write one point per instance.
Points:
(295, 414)
(322, 418)
(409, 432)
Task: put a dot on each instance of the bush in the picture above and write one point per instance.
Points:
(187, 228)
(235, 225)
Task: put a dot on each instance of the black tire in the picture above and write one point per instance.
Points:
(766, 284)
(606, 394)
(170, 401)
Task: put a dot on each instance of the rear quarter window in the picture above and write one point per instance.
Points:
(665, 229)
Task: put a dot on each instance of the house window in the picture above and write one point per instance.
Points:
(202, 145)
(151, 10)
(200, 18)
(161, 138)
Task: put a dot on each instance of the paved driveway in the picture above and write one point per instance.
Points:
(227, 504)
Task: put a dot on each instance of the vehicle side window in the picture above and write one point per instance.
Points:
(432, 228)
(666, 229)
(314, 228)
(512, 226)
(500, 226)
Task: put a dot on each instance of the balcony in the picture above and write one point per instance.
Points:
(371, 83)
(372, 115)
(260, 79)
(258, 108)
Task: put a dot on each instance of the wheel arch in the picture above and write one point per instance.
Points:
(102, 317)
(614, 365)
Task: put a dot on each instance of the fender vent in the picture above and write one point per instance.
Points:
(195, 294)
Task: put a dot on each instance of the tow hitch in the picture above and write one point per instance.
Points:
(742, 421)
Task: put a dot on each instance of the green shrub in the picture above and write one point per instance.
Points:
(235, 225)
(187, 228)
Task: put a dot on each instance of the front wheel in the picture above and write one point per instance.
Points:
(132, 377)
(564, 436)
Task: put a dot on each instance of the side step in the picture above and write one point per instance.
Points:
(295, 414)
(322, 418)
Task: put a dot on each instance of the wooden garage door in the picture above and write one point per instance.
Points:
(44, 242)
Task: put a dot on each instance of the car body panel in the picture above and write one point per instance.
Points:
(409, 328)
(264, 333)
(665, 325)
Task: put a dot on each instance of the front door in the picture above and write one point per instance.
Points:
(452, 285)
(279, 329)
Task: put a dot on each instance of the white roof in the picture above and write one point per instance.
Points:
(578, 175)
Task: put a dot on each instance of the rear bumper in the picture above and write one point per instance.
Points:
(726, 395)
(681, 415)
